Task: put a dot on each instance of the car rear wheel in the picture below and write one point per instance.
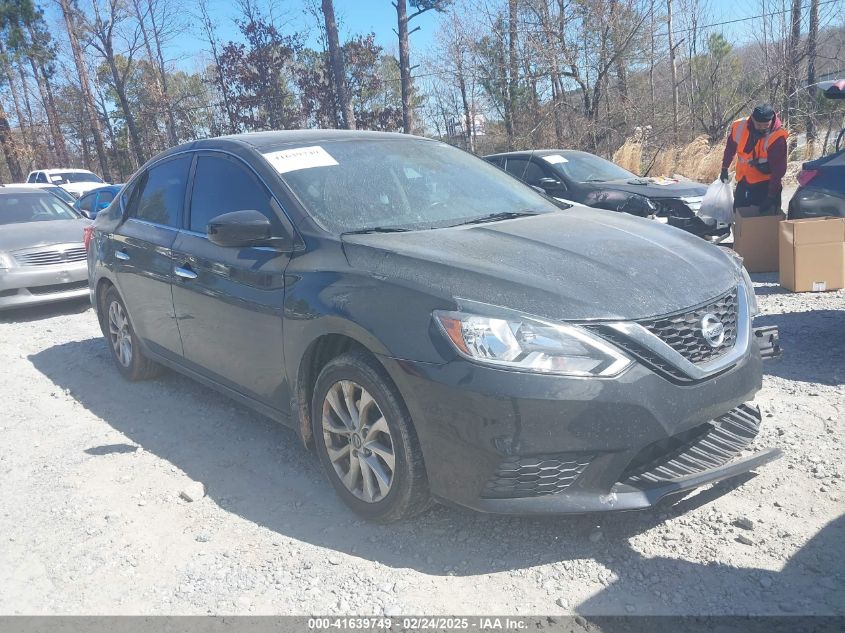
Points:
(366, 441)
(123, 342)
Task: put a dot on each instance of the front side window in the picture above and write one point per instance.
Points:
(526, 170)
(19, 208)
(222, 185)
(160, 194)
(354, 185)
(104, 198)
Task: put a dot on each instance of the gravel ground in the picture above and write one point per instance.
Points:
(94, 472)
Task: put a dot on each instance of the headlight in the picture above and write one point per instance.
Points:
(528, 344)
(753, 309)
(6, 261)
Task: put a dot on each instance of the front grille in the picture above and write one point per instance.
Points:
(535, 476)
(682, 331)
(700, 449)
(54, 288)
(50, 257)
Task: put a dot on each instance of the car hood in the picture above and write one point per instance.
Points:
(15, 237)
(578, 264)
(650, 187)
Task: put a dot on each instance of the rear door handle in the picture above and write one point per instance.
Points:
(121, 255)
(184, 273)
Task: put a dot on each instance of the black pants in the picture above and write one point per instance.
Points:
(747, 195)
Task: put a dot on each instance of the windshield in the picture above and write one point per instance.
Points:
(64, 177)
(61, 194)
(583, 167)
(356, 185)
(18, 208)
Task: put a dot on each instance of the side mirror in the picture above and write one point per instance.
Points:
(243, 228)
(549, 183)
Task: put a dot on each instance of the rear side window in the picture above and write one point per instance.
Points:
(32, 177)
(525, 170)
(41, 177)
(160, 194)
(223, 184)
(105, 197)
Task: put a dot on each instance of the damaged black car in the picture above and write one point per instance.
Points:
(434, 328)
(569, 175)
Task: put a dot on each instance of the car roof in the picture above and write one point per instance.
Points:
(69, 170)
(103, 188)
(14, 188)
(263, 142)
(539, 152)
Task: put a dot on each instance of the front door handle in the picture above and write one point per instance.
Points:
(122, 255)
(185, 273)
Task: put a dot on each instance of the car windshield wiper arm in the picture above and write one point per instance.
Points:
(493, 217)
(376, 229)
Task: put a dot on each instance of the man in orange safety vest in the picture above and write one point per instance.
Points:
(759, 144)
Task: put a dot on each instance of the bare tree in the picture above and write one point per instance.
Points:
(73, 29)
(102, 31)
(341, 89)
(812, 41)
(402, 20)
(673, 66)
(210, 33)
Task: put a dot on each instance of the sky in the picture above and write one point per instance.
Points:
(359, 17)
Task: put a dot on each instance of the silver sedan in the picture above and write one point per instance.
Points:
(42, 255)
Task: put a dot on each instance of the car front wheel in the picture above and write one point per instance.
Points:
(366, 440)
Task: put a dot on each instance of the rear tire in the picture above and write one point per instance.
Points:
(358, 417)
(123, 343)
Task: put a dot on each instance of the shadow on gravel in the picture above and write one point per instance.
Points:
(755, 591)
(259, 470)
(813, 344)
(46, 311)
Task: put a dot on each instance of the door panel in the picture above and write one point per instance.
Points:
(142, 253)
(230, 314)
(144, 269)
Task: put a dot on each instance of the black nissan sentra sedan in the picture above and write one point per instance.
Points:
(433, 327)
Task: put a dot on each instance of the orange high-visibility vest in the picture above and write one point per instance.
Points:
(760, 152)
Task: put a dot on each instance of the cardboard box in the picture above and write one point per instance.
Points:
(812, 254)
(756, 239)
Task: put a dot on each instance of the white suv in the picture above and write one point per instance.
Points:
(75, 181)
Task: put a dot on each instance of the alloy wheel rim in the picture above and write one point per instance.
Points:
(121, 340)
(358, 441)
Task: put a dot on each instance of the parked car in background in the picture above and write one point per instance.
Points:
(821, 182)
(91, 203)
(42, 255)
(74, 181)
(432, 326)
(57, 191)
(582, 177)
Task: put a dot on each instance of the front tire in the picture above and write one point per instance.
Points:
(123, 342)
(366, 441)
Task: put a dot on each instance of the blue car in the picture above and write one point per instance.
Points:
(96, 200)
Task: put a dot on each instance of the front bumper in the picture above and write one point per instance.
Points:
(34, 285)
(508, 442)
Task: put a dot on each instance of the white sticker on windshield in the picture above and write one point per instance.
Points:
(555, 158)
(300, 158)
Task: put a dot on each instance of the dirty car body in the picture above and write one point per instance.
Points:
(542, 362)
(42, 258)
(591, 180)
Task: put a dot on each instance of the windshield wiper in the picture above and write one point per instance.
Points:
(376, 229)
(495, 217)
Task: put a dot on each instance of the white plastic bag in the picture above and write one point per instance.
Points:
(718, 202)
